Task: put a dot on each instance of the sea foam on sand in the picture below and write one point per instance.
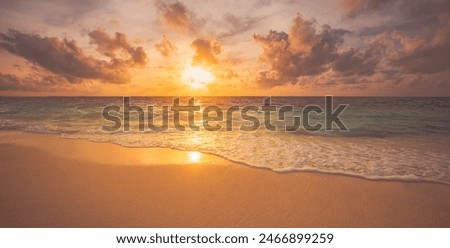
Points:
(46, 181)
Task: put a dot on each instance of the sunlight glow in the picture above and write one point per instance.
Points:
(194, 157)
(197, 76)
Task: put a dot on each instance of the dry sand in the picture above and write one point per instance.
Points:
(47, 181)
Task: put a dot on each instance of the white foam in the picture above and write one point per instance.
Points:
(371, 158)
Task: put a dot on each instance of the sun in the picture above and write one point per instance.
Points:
(197, 76)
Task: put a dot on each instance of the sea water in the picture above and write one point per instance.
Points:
(388, 138)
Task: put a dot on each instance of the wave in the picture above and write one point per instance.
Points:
(387, 139)
(376, 160)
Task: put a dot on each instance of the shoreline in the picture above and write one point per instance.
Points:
(392, 179)
(49, 181)
(405, 180)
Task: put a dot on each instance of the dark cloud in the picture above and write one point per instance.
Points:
(266, 3)
(408, 16)
(33, 82)
(205, 51)
(166, 47)
(427, 50)
(419, 32)
(359, 7)
(404, 10)
(54, 12)
(237, 25)
(9, 82)
(110, 46)
(178, 17)
(306, 52)
(427, 60)
(263, 2)
(354, 62)
(414, 47)
(65, 58)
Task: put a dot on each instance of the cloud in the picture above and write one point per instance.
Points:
(237, 25)
(205, 51)
(401, 15)
(406, 52)
(178, 17)
(9, 82)
(66, 59)
(54, 12)
(32, 82)
(166, 47)
(109, 47)
(359, 7)
(419, 32)
(427, 50)
(302, 34)
(358, 63)
(431, 58)
(263, 3)
(307, 52)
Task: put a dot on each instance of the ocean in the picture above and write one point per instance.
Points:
(388, 138)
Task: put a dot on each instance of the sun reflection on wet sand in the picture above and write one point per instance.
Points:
(194, 157)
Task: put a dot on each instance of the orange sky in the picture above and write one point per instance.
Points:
(256, 47)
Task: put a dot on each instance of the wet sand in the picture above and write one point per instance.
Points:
(48, 181)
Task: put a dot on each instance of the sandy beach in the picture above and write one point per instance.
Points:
(48, 181)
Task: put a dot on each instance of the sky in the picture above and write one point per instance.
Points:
(225, 48)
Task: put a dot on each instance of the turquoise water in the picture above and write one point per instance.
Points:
(388, 138)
